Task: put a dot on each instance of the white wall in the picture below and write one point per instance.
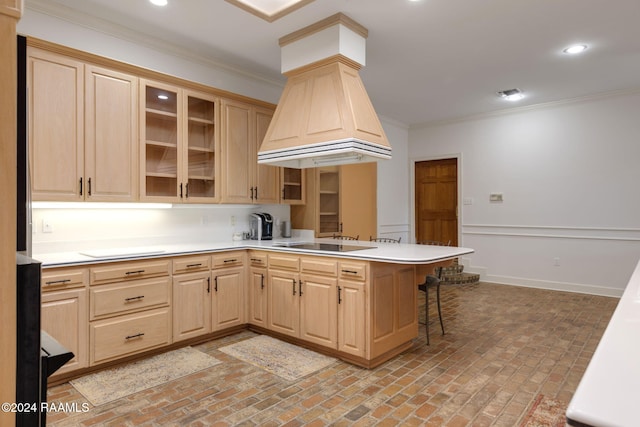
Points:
(393, 191)
(569, 175)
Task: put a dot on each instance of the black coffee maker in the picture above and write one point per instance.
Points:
(261, 226)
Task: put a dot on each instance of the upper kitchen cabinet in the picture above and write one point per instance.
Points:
(82, 130)
(243, 128)
(292, 184)
(179, 147)
(340, 200)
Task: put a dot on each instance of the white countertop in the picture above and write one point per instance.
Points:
(608, 392)
(381, 252)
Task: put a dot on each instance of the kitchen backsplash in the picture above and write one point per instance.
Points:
(84, 228)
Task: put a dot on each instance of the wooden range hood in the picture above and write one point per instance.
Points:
(324, 116)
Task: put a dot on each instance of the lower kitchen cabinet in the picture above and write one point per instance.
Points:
(228, 279)
(191, 305)
(319, 310)
(352, 318)
(64, 316)
(257, 288)
(284, 303)
(122, 336)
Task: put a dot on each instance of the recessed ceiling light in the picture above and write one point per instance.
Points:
(159, 2)
(576, 48)
(511, 94)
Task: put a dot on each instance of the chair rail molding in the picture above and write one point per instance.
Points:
(554, 232)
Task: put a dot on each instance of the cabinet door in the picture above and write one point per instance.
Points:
(228, 297)
(202, 148)
(292, 186)
(266, 177)
(56, 126)
(352, 318)
(237, 166)
(111, 135)
(318, 310)
(258, 296)
(191, 305)
(160, 142)
(65, 317)
(284, 302)
(358, 200)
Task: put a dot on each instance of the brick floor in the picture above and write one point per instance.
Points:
(504, 345)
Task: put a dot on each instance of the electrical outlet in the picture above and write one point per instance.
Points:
(46, 226)
(556, 262)
(232, 220)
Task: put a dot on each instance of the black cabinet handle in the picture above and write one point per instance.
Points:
(256, 190)
(215, 281)
(89, 187)
(81, 186)
(194, 265)
(186, 187)
(130, 299)
(350, 271)
(300, 287)
(230, 260)
(138, 335)
(134, 272)
(181, 190)
(55, 282)
(293, 288)
(339, 294)
(208, 285)
(262, 281)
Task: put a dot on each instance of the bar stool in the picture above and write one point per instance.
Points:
(385, 239)
(341, 237)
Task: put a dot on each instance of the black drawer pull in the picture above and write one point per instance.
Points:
(194, 265)
(138, 335)
(258, 260)
(134, 272)
(294, 286)
(230, 260)
(55, 282)
(262, 281)
(350, 271)
(138, 298)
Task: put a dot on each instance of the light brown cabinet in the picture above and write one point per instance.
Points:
(64, 313)
(130, 308)
(340, 200)
(82, 130)
(243, 128)
(292, 184)
(191, 305)
(179, 144)
(352, 303)
(228, 290)
(257, 288)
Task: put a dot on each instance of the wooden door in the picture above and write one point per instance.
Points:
(284, 303)
(266, 177)
(436, 200)
(318, 310)
(358, 200)
(237, 184)
(191, 305)
(111, 135)
(56, 126)
(228, 298)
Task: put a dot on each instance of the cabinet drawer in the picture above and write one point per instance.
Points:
(228, 259)
(63, 278)
(284, 262)
(191, 263)
(129, 271)
(353, 270)
(318, 265)
(120, 298)
(258, 259)
(126, 335)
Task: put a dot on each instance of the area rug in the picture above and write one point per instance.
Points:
(113, 384)
(546, 412)
(285, 360)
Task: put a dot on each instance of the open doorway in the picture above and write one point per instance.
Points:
(436, 200)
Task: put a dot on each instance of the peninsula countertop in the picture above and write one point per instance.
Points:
(398, 253)
(608, 392)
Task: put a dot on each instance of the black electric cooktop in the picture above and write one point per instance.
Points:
(330, 247)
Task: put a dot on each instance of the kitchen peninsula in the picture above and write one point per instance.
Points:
(354, 300)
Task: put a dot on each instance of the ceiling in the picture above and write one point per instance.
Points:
(427, 61)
